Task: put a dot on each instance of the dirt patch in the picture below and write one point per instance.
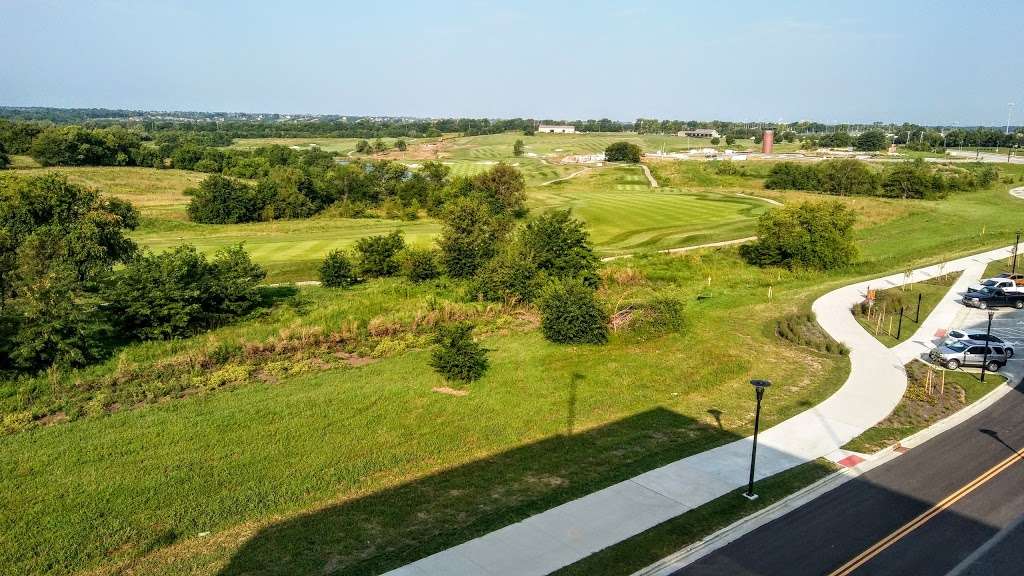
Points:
(355, 360)
(450, 391)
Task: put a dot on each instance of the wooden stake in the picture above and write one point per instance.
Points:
(769, 293)
(942, 384)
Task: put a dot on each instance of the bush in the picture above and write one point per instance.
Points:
(847, 177)
(503, 188)
(870, 141)
(508, 277)
(622, 152)
(809, 235)
(420, 264)
(337, 270)
(376, 255)
(571, 314)
(793, 176)
(470, 237)
(559, 245)
(220, 200)
(456, 356)
(716, 141)
(660, 315)
(176, 293)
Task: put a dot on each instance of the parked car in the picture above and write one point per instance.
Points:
(969, 353)
(994, 298)
(1007, 284)
(955, 334)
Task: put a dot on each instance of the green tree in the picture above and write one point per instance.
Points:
(5, 160)
(337, 270)
(363, 147)
(730, 139)
(622, 152)
(847, 177)
(815, 235)
(508, 277)
(571, 314)
(220, 200)
(420, 264)
(376, 256)
(871, 141)
(559, 245)
(379, 145)
(456, 356)
(716, 141)
(503, 188)
(518, 147)
(400, 145)
(470, 236)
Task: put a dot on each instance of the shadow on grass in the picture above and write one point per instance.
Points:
(394, 527)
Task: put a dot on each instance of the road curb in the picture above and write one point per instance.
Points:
(747, 524)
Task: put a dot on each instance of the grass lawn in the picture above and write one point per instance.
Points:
(624, 214)
(924, 403)
(366, 468)
(675, 534)
(883, 319)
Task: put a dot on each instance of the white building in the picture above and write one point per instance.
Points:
(700, 133)
(556, 129)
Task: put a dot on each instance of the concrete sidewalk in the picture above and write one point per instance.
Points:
(572, 531)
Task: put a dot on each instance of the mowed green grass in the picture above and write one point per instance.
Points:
(624, 214)
(289, 250)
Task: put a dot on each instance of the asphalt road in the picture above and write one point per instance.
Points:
(830, 531)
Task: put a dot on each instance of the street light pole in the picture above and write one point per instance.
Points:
(759, 386)
(1016, 243)
(988, 334)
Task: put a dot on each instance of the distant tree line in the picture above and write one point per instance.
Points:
(847, 177)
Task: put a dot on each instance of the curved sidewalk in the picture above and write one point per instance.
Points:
(572, 531)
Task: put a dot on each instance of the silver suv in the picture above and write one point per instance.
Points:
(957, 353)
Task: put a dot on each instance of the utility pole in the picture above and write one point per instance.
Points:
(1009, 114)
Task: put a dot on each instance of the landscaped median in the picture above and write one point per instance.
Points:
(894, 314)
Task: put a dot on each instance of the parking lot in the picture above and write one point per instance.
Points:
(1007, 323)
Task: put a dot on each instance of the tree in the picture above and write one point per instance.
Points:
(400, 145)
(5, 160)
(420, 264)
(178, 292)
(807, 235)
(729, 139)
(470, 236)
(503, 188)
(379, 145)
(518, 147)
(363, 147)
(912, 180)
(847, 177)
(622, 152)
(871, 141)
(716, 141)
(571, 314)
(376, 255)
(220, 200)
(456, 356)
(559, 245)
(508, 277)
(337, 271)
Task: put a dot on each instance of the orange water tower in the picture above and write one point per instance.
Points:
(767, 139)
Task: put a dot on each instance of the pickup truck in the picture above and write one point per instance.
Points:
(1000, 282)
(993, 298)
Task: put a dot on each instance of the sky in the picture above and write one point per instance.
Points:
(936, 62)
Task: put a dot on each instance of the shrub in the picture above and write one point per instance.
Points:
(847, 177)
(509, 276)
(871, 141)
(559, 245)
(220, 200)
(716, 141)
(470, 237)
(178, 292)
(792, 176)
(571, 314)
(376, 255)
(337, 270)
(660, 315)
(503, 188)
(622, 152)
(456, 356)
(420, 264)
(808, 235)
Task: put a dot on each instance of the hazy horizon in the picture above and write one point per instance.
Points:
(936, 63)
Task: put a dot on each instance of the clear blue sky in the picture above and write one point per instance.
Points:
(933, 62)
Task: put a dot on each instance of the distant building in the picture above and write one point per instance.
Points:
(556, 129)
(700, 133)
(767, 140)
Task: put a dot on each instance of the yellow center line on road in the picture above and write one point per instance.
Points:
(919, 521)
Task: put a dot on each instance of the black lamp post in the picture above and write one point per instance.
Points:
(1016, 243)
(988, 334)
(759, 386)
